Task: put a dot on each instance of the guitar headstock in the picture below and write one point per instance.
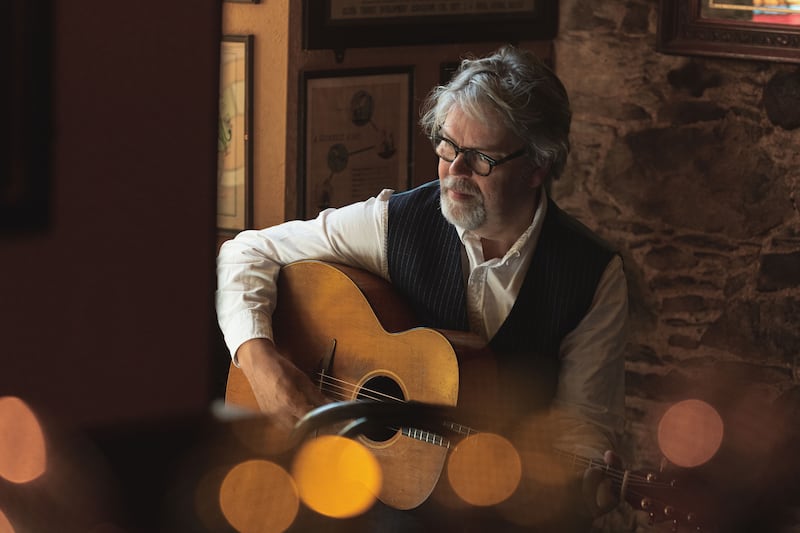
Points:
(669, 499)
(675, 500)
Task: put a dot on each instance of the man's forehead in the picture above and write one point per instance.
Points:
(487, 132)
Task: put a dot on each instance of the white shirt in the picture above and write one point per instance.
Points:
(590, 394)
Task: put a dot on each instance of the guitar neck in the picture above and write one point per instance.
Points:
(436, 439)
(644, 491)
(577, 462)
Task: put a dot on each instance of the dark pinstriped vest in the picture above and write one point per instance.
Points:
(424, 254)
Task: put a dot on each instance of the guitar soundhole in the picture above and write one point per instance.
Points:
(383, 389)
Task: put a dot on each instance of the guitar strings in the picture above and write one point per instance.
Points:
(640, 500)
(341, 388)
(634, 479)
(345, 390)
(657, 507)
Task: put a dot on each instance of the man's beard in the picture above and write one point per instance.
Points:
(469, 214)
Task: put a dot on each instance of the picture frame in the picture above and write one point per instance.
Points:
(355, 135)
(710, 28)
(234, 145)
(341, 24)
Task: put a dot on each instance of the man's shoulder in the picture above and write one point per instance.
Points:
(572, 228)
(424, 197)
(428, 189)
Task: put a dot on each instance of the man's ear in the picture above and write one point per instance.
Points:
(538, 176)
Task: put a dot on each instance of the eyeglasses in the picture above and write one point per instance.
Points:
(480, 163)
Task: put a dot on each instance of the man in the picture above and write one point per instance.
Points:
(481, 249)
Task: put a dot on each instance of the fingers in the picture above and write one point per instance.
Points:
(598, 493)
(597, 490)
(612, 459)
(605, 497)
(282, 390)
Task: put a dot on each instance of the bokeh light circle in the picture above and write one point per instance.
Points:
(23, 455)
(259, 496)
(484, 469)
(690, 433)
(5, 525)
(336, 476)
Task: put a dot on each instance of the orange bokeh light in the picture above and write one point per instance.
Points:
(5, 525)
(23, 456)
(259, 496)
(484, 469)
(336, 476)
(690, 433)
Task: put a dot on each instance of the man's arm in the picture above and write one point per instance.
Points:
(589, 407)
(247, 272)
(281, 389)
(248, 265)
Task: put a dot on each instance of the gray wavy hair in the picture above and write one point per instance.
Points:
(529, 97)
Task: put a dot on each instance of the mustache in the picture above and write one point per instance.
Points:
(460, 185)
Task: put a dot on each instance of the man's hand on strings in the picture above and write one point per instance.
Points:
(283, 391)
(597, 488)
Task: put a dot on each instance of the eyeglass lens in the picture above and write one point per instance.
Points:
(448, 151)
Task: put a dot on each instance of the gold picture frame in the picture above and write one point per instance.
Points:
(234, 145)
(709, 28)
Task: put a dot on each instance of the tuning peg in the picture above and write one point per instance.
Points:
(691, 519)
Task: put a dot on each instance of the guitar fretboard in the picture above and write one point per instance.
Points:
(436, 439)
(646, 492)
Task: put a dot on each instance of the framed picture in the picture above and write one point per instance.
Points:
(340, 24)
(756, 29)
(355, 136)
(234, 145)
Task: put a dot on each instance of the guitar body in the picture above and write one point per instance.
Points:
(354, 327)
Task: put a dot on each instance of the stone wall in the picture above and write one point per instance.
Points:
(691, 166)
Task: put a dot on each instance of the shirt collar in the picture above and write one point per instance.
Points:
(524, 243)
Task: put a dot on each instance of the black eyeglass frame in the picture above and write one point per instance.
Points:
(437, 139)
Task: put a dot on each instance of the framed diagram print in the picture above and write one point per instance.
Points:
(355, 135)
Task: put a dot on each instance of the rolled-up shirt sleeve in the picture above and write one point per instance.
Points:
(589, 406)
(248, 265)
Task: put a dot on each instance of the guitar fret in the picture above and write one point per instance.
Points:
(459, 428)
(426, 436)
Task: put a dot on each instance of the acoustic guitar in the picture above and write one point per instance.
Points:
(350, 330)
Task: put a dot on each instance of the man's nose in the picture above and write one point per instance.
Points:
(459, 165)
